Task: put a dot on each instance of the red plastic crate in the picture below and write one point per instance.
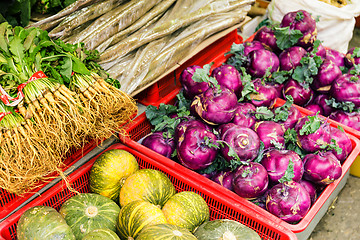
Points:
(220, 206)
(306, 225)
(10, 201)
(170, 83)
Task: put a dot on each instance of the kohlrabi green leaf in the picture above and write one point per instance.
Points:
(248, 86)
(344, 106)
(261, 153)
(311, 125)
(285, 37)
(289, 173)
(263, 113)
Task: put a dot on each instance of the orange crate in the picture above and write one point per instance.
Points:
(301, 229)
(183, 180)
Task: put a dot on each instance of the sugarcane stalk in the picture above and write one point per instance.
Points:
(166, 28)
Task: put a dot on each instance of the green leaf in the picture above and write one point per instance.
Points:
(25, 12)
(340, 128)
(203, 75)
(263, 113)
(238, 59)
(280, 76)
(311, 125)
(299, 16)
(289, 173)
(78, 66)
(355, 71)
(30, 38)
(282, 112)
(182, 101)
(356, 52)
(261, 153)
(334, 146)
(248, 86)
(307, 69)
(66, 68)
(285, 37)
(219, 164)
(3, 44)
(344, 106)
(276, 144)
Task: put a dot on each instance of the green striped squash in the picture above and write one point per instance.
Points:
(225, 229)
(43, 222)
(165, 232)
(88, 211)
(109, 172)
(186, 209)
(149, 185)
(101, 234)
(133, 217)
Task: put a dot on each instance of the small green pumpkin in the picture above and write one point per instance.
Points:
(186, 209)
(109, 172)
(149, 185)
(88, 211)
(43, 222)
(133, 217)
(101, 234)
(165, 232)
(225, 229)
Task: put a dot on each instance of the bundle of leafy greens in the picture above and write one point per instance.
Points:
(52, 101)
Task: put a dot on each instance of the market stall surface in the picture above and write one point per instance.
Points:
(341, 222)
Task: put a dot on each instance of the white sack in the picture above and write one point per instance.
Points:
(335, 26)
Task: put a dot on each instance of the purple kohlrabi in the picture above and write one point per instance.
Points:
(322, 168)
(160, 142)
(346, 88)
(262, 62)
(244, 141)
(301, 94)
(352, 58)
(348, 119)
(193, 150)
(266, 36)
(192, 88)
(225, 179)
(244, 115)
(327, 73)
(228, 76)
(303, 21)
(335, 56)
(251, 46)
(251, 180)
(216, 107)
(311, 188)
(290, 58)
(277, 163)
(321, 101)
(270, 133)
(314, 108)
(343, 142)
(266, 94)
(313, 133)
(289, 201)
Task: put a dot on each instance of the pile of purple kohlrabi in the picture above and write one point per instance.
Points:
(225, 124)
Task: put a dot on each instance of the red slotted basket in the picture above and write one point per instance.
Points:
(10, 201)
(304, 227)
(220, 206)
